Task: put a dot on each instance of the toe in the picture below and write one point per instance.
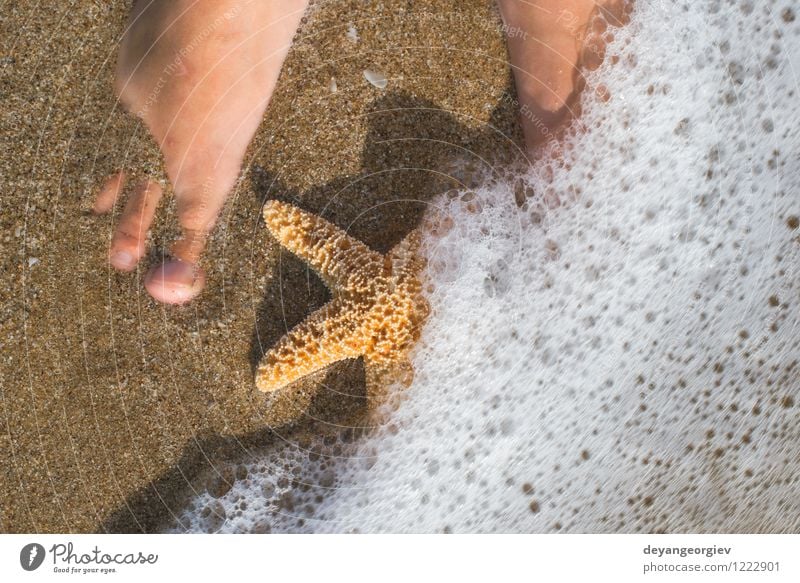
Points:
(109, 193)
(130, 236)
(174, 282)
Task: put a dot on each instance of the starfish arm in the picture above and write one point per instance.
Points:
(409, 306)
(405, 259)
(383, 379)
(329, 335)
(332, 253)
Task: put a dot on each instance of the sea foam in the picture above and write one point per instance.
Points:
(623, 361)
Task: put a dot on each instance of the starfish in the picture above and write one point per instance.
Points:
(376, 311)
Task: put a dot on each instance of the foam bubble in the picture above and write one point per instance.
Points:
(623, 362)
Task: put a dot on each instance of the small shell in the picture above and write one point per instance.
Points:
(376, 78)
(352, 33)
(332, 85)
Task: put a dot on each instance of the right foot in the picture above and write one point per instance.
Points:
(548, 42)
(200, 75)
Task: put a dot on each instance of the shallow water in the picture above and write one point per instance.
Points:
(623, 361)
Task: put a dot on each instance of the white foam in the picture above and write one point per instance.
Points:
(624, 362)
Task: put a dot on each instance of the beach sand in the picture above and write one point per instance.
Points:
(113, 405)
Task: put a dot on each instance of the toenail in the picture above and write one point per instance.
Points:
(174, 282)
(123, 260)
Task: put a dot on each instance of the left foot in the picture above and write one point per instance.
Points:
(200, 76)
(548, 42)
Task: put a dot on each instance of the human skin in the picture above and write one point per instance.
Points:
(548, 42)
(200, 74)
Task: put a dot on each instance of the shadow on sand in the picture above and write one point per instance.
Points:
(408, 142)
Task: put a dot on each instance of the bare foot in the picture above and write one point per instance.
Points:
(200, 75)
(548, 42)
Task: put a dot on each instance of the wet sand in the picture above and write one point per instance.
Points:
(114, 405)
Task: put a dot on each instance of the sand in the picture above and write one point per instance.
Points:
(113, 405)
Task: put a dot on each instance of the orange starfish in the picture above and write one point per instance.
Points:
(376, 311)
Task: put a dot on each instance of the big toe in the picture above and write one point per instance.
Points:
(174, 282)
